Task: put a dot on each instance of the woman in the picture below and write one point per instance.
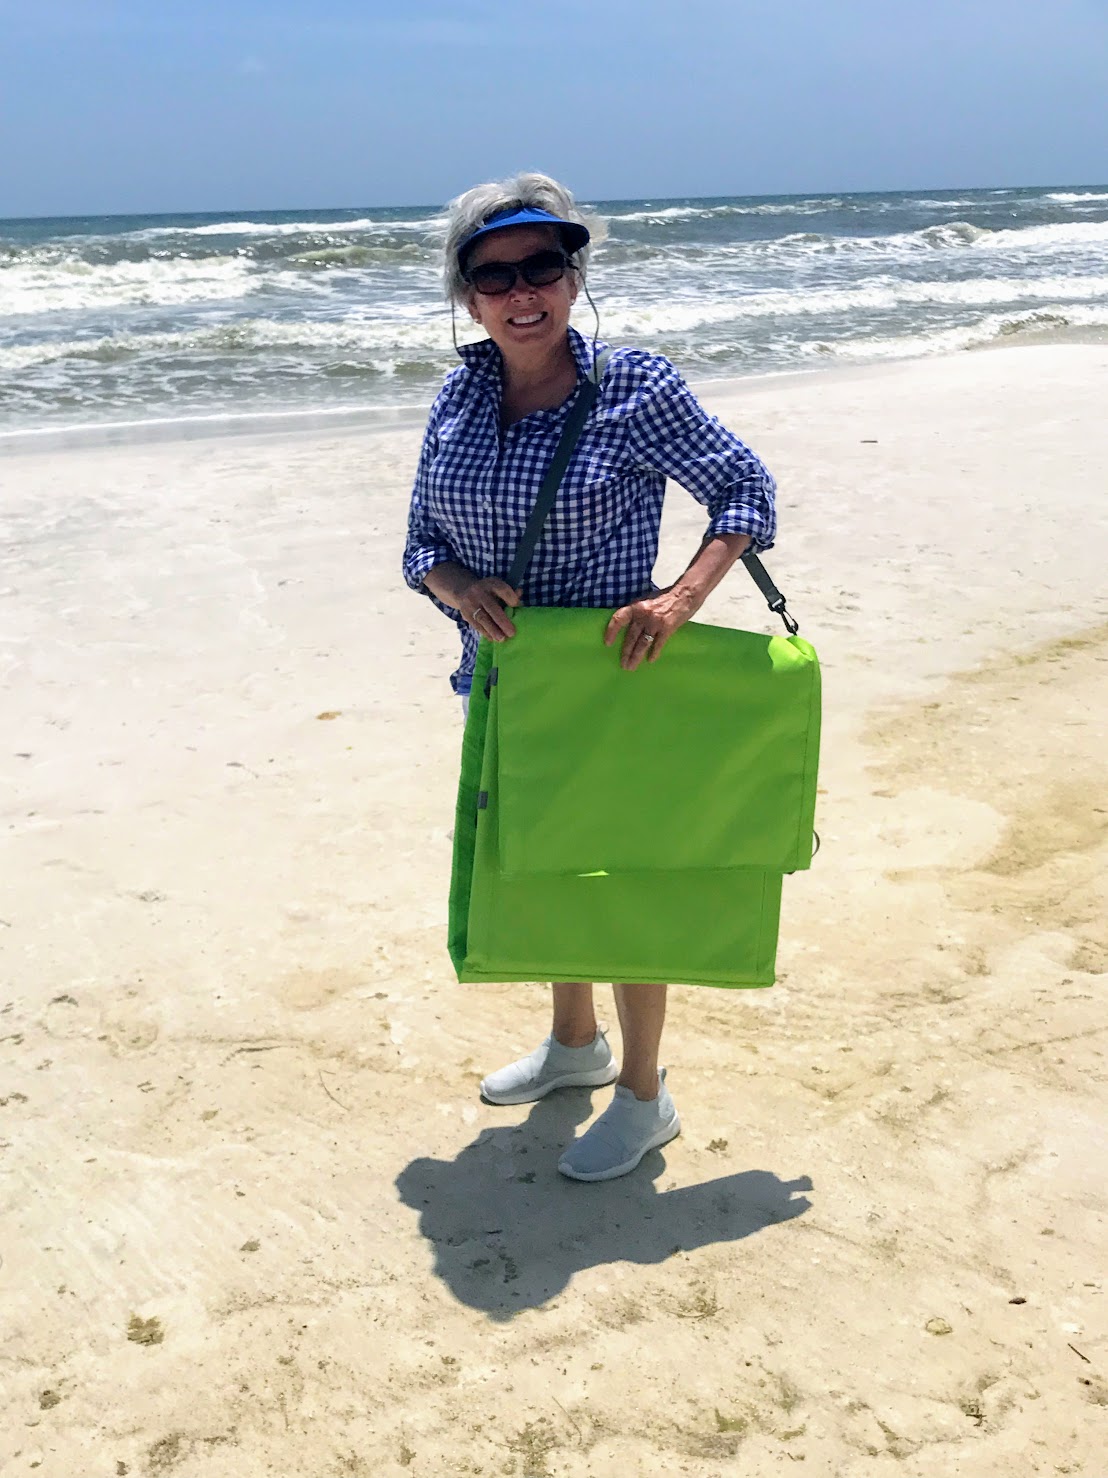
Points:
(516, 254)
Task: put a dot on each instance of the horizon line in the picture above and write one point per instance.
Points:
(585, 201)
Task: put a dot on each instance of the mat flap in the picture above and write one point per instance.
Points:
(705, 759)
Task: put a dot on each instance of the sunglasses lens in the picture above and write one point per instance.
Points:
(543, 268)
(540, 270)
(492, 278)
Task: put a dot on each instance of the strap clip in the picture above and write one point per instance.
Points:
(778, 609)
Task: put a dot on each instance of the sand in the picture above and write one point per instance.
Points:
(256, 1220)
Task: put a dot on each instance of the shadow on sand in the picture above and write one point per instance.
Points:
(509, 1232)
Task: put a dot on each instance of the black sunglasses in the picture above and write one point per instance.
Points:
(540, 270)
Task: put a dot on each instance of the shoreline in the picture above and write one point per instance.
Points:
(266, 425)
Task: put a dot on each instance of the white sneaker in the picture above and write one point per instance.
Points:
(615, 1143)
(552, 1066)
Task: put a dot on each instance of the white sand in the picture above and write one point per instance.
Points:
(255, 1218)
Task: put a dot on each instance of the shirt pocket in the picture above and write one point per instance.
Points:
(596, 491)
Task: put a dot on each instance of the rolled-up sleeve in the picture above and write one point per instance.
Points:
(672, 433)
(426, 545)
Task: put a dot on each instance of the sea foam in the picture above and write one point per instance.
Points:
(115, 320)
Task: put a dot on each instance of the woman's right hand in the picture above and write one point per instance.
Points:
(482, 604)
(481, 601)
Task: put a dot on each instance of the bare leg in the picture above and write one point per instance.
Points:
(574, 1016)
(642, 1014)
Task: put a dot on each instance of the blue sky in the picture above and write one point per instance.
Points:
(188, 105)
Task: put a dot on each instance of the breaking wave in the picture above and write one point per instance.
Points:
(143, 317)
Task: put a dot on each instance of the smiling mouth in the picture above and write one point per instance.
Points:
(525, 320)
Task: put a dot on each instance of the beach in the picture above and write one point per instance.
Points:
(257, 1220)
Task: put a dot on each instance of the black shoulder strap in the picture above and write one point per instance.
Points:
(575, 422)
(774, 599)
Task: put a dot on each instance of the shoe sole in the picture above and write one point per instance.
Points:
(598, 1077)
(656, 1141)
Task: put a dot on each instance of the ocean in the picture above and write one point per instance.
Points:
(119, 321)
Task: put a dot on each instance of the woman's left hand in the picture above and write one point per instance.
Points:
(648, 624)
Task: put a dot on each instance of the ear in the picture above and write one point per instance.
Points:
(471, 306)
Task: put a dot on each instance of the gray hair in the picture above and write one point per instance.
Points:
(470, 211)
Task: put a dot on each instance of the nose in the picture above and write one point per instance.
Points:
(520, 290)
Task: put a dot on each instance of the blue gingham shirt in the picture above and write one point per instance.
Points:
(477, 483)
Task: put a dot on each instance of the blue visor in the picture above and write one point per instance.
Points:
(574, 235)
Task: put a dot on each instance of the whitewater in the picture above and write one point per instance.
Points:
(156, 319)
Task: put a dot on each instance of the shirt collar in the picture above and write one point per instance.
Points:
(483, 358)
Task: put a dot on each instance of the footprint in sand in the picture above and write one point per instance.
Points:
(70, 1016)
(308, 990)
(125, 1036)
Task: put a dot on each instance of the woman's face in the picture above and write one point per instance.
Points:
(524, 316)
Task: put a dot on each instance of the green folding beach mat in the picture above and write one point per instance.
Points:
(630, 826)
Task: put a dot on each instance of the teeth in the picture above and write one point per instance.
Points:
(534, 318)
